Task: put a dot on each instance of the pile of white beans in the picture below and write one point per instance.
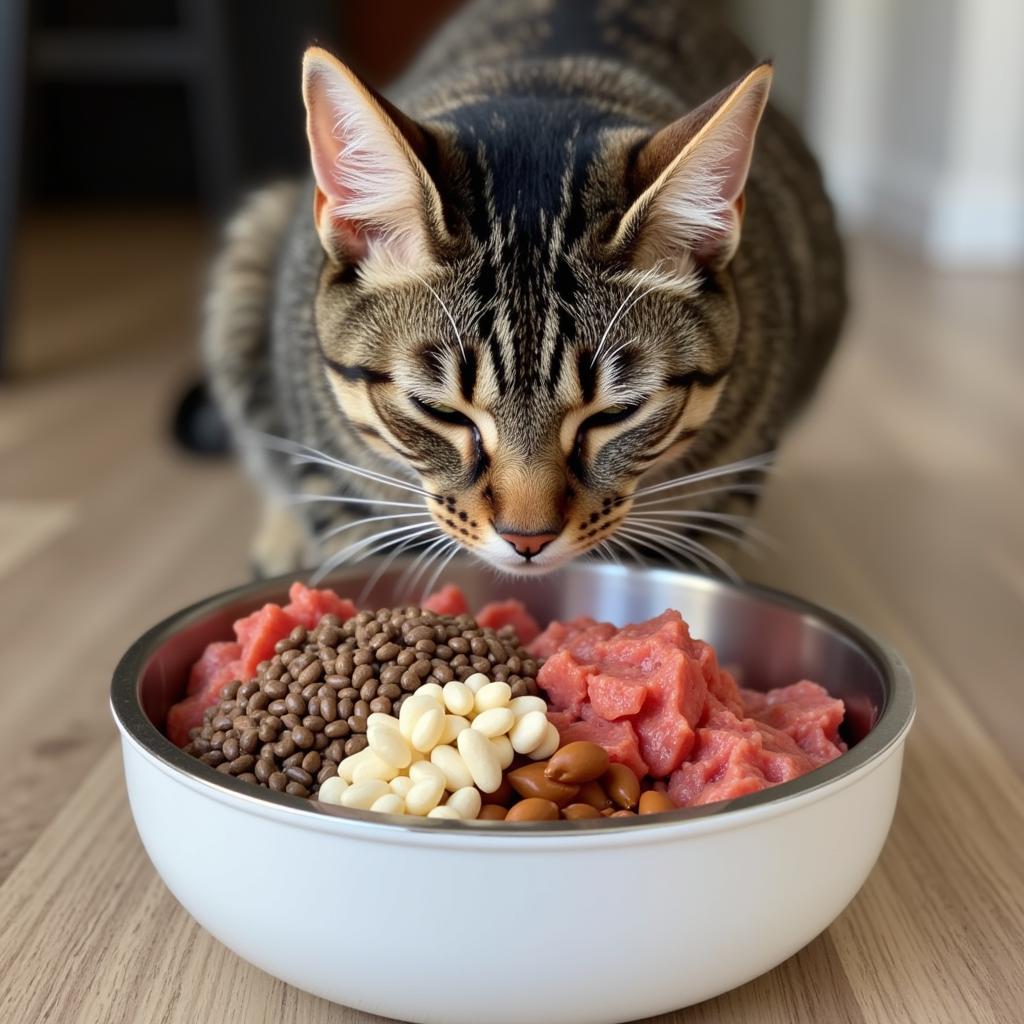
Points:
(448, 746)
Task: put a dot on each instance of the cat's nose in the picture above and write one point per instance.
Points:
(527, 544)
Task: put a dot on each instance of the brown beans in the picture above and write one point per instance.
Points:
(655, 802)
(533, 809)
(492, 812)
(532, 781)
(575, 812)
(592, 793)
(576, 763)
(622, 786)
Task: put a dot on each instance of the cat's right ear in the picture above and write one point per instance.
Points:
(374, 197)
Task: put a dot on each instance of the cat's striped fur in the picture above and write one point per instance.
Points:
(482, 333)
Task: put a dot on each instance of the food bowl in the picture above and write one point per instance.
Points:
(576, 922)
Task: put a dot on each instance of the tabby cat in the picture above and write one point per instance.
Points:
(498, 309)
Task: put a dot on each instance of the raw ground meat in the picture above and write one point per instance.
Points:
(508, 613)
(657, 701)
(224, 661)
(449, 600)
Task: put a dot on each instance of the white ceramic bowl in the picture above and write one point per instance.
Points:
(562, 922)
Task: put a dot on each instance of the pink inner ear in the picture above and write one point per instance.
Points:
(351, 238)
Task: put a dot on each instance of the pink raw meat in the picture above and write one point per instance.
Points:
(449, 600)
(509, 613)
(618, 738)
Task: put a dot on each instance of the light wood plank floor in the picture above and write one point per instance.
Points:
(898, 500)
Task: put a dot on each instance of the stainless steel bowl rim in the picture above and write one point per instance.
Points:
(888, 732)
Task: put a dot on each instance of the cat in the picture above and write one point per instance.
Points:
(550, 274)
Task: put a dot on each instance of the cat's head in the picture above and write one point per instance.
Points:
(528, 306)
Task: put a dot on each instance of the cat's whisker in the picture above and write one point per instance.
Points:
(747, 544)
(744, 525)
(674, 556)
(386, 564)
(447, 313)
(406, 582)
(628, 548)
(700, 551)
(335, 530)
(432, 582)
(737, 488)
(346, 553)
(755, 463)
(344, 499)
(623, 309)
(303, 453)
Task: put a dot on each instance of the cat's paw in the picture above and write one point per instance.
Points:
(281, 544)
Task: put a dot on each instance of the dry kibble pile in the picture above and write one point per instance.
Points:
(310, 706)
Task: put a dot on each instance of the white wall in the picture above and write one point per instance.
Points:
(917, 113)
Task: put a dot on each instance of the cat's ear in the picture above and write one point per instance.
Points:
(374, 197)
(689, 180)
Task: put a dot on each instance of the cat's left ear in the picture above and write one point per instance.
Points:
(689, 180)
(374, 196)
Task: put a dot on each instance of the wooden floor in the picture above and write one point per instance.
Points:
(899, 500)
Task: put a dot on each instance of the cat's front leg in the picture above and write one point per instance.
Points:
(282, 543)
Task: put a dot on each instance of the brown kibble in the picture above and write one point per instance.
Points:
(621, 785)
(576, 763)
(306, 708)
(576, 812)
(532, 781)
(492, 812)
(304, 738)
(533, 809)
(655, 802)
(624, 813)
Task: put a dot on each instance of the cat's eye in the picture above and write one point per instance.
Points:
(610, 414)
(442, 413)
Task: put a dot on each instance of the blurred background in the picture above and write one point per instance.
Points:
(130, 128)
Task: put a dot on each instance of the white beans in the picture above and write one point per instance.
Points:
(400, 785)
(389, 803)
(373, 767)
(502, 746)
(476, 681)
(433, 691)
(481, 759)
(363, 795)
(448, 745)
(444, 811)
(494, 721)
(467, 802)
(331, 791)
(458, 698)
(427, 730)
(457, 776)
(453, 725)
(413, 709)
(424, 770)
(522, 705)
(424, 797)
(529, 732)
(389, 745)
(548, 745)
(493, 695)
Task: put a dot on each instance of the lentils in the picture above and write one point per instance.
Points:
(309, 706)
